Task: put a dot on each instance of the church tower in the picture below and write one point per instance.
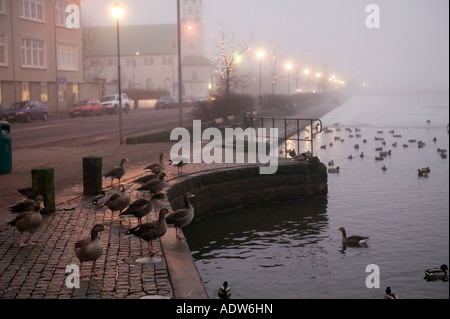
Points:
(193, 27)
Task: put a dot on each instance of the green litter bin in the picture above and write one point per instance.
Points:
(5, 148)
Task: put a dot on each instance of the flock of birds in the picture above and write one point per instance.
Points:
(89, 249)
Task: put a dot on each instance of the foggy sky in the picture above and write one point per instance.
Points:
(410, 50)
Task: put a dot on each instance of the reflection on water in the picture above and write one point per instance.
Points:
(294, 250)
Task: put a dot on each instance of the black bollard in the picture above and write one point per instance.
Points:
(43, 183)
(92, 175)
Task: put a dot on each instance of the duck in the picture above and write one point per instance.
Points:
(152, 230)
(384, 168)
(179, 163)
(160, 164)
(389, 294)
(350, 157)
(155, 186)
(361, 155)
(334, 170)
(224, 291)
(426, 169)
(437, 272)
(90, 249)
(422, 173)
(147, 178)
(182, 217)
(331, 163)
(117, 172)
(139, 208)
(26, 205)
(352, 240)
(118, 201)
(28, 221)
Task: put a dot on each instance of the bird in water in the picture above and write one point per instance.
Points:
(117, 172)
(389, 294)
(224, 291)
(90, 249)
(353, 240)
(152, 230)
(437, 272)
(28, 221)
(182, 217)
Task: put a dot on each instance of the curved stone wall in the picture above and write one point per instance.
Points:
(238, 187)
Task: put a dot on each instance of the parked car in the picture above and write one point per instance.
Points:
(3, 113)
(26, 111)
(166, 102)
(111, 104)
(86, 108)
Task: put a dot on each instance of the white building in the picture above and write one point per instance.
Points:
(149, 54)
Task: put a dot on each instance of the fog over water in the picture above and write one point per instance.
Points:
(409, 50)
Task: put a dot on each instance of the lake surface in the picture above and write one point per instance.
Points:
(294, 250)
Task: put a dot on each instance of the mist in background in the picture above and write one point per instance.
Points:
(409, 50)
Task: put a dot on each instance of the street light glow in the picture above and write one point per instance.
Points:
(260, 54)
(117, 10)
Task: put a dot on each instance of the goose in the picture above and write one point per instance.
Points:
(389, 294)
(437, 272)
(147, 178)
(90, 249)
(28, 221)
(179, 163)
(155, 186)
(384, 168)
(182, 217)
(353, 240)
(334, 170)
(224, 291)
(117, 172)
(151, 231)
(160, 164)
(350, 157)
(139, 208)
(361, 155)
(118, 201)
(26, 206)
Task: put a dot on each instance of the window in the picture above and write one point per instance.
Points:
(44, 92)
(60, 13)
(67, 57)
(194, 75)
(3, 50)
(148, 61)
(32, 10)
(25, 91)
(2, 7)
(33, 53)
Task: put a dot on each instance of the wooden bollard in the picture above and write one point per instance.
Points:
(92, 175)
(43, 183)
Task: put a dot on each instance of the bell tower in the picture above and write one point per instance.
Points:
(193, 27)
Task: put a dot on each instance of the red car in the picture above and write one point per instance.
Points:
(86, 108)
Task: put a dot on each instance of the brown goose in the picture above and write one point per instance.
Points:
(182, 217)
(90, 249)
(160, 165)
(28, 221)
(352, 240)
(147, 178)
(141, 208)
(27, 205)
(151, 231)
(155, 186)
(117, 172)
(118, 201)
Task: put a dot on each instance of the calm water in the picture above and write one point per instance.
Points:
(294, 250)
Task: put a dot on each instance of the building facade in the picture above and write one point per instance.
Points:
(40, 52)
(149, 54)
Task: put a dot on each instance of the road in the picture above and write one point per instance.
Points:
(92, 129)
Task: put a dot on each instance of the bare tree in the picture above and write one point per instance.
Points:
(93, 65)
(228, 72)
(274, 69)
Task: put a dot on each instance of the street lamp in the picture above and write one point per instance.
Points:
(117, 11)
(260, 57)
(288, 67)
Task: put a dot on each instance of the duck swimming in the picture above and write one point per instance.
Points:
(437, 272)
(389, 294)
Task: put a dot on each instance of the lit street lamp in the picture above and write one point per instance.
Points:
(117, 14)
(260, 57)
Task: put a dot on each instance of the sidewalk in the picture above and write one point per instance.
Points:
(39, 271)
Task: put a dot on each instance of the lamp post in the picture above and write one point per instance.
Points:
(180, 67)
(288, 67)
(117, 14)
(260, 57)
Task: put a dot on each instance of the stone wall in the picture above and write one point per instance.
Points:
(238, 187)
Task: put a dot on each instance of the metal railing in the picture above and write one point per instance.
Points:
(289, 126)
